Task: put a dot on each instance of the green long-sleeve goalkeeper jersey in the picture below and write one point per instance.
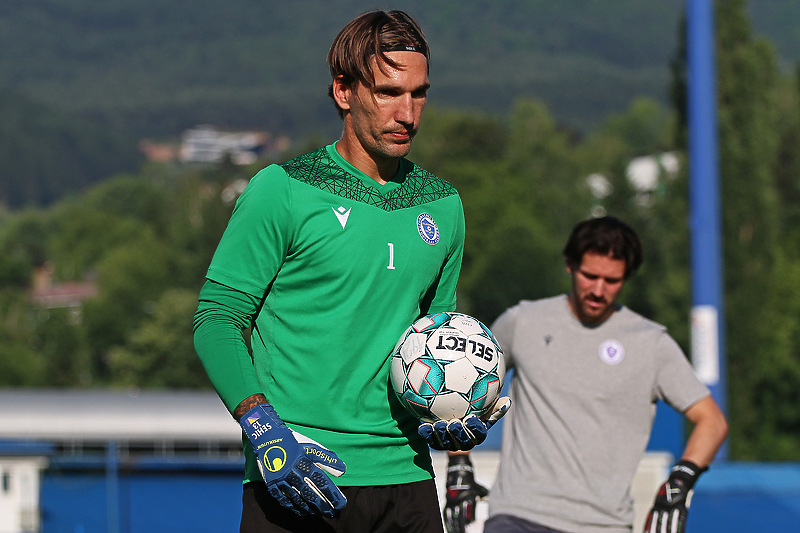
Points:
(331, 267)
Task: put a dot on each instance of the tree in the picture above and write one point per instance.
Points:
(661, 289)
(23, 240)
(130, 197)
(787, 164)
(61, 344)
(48, 154)
(762, 337)
(199, 209)
(521, 189)
(80, 237)
(21, 365)
(131, 277)
(748, 135)
(160, 351)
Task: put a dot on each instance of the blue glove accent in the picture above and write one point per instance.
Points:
(464, 434)
(292, 465)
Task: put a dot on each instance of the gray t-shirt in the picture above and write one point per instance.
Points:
(584, 401)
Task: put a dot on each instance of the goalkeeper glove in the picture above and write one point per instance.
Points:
(672, 502)
(292, 465)
(462, 494)
(463, 434)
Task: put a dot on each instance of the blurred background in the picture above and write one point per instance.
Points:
(130, 128)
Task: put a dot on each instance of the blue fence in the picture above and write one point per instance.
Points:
(731, 498)
(202, 499)
(745, 497)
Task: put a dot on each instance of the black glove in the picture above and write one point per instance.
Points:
(673, 499)
(462, 494)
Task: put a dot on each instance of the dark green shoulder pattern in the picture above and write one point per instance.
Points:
(319, 170)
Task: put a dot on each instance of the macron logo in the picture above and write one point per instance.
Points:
(341, 214)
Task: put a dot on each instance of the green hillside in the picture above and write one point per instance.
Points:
(149, 68)
(156, 67)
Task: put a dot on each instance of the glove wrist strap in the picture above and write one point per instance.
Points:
(459, 464)
(687, 472)
(459, 459)
(259, 420)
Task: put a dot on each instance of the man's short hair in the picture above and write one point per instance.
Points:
(605, 236)
(372, 34)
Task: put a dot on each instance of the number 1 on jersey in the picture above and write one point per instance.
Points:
(391, 256)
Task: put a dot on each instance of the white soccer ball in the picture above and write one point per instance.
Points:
(446, 366)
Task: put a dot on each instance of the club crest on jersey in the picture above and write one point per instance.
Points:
(612, 352)
(428, 229)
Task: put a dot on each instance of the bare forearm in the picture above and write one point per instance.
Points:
(710, 430)
(704, 443)
(247, 404)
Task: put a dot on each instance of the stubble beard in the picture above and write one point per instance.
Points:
(385, 147)
(592, 314)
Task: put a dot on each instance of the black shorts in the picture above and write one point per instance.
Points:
(406, 508)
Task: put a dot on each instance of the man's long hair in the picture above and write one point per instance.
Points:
(369, 35)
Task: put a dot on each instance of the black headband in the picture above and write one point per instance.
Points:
(401, 48)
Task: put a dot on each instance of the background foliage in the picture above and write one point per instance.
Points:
(520, 153)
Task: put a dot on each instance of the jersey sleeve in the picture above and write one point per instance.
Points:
(257, 238)
(676, 381)
(250, 253)
(442, 295)
(223, 314)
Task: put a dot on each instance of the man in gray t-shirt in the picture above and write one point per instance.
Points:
(588, 373)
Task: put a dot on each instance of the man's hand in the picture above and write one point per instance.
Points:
(466, 433)
(462, 494)
(672, 502)
(292, 464)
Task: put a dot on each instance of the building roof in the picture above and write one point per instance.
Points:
(70, 294)
(73, 415)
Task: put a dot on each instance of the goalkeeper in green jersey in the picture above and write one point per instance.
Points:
(327, 259)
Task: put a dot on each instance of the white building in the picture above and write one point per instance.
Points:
(36, 425)
(206, 144)
(20, 476)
